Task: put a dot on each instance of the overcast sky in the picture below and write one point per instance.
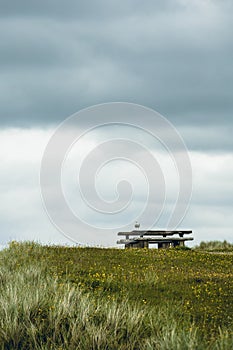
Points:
(174, 56)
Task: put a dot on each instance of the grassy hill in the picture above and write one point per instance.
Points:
(91, 298)
(215, 246)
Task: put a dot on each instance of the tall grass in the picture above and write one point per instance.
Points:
(40, 311)
(215, 246)
(37, 312)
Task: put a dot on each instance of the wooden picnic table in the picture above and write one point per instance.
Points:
(142, 238)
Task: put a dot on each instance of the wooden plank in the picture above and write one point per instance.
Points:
(154, 240)
(154, 233)
(137, 244)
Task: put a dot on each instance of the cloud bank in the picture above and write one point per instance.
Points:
(57, 57)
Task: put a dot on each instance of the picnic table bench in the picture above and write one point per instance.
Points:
(164, 239)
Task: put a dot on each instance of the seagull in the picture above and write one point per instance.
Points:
(137, 225)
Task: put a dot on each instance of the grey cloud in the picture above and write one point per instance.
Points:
(57, 58)
(90, 9)
(208, 138)
(175, 56)
(22, 215)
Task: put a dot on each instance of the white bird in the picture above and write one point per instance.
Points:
(137, 225)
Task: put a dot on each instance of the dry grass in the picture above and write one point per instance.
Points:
(45, 307)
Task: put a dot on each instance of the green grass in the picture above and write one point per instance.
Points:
(215, 246)
(91, 298)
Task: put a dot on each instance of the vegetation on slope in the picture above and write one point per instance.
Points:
(90, 298)
(215, 246)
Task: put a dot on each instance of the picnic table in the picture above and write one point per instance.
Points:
(164, 239)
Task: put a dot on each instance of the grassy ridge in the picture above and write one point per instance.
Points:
(89, 298)
(215, 246)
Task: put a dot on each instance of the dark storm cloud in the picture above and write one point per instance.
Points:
(58, 57)
(81, 9)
